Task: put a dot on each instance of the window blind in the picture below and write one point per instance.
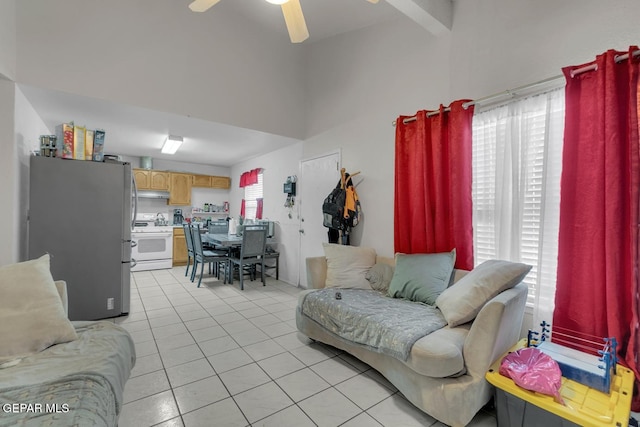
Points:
(517, 160)
(251, 194)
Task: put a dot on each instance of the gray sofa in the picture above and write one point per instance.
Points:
(444, 374)
(75, 383)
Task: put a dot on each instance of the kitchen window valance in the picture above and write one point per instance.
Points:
(250, 177)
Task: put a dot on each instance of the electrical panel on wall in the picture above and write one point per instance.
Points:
(289, 189)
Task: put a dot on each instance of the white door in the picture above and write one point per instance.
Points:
(318, 176)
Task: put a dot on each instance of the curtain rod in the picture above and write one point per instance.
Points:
(514, 92)
(505, 93)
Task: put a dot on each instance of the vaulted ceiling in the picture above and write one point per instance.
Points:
(137, 131)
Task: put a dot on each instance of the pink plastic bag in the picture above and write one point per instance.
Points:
(533, 370)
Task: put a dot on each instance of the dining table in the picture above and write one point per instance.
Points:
(233, 242)
(228, 240)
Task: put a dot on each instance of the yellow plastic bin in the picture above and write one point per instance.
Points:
(583, 406)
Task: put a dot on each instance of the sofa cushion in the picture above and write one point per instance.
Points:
(439, 354)
(379, 276)
(32, 316)
(348, 265)
(421, 277)
(462, 302)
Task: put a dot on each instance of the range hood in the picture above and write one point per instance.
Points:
(153, 194)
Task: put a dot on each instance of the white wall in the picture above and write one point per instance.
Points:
(8, 38)
(8, 161)
(170, 165)
(158, 54)
(358, 84)
(502, 44)
(28, 128)
(9, 175)
(277, 166)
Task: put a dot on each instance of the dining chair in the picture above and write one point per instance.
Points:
(271, 253)
(204, 256)
(189, 239)
(219, 228)
(252, 251)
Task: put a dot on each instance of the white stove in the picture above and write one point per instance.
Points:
(151, 222)
(153, 242)
(151, 228)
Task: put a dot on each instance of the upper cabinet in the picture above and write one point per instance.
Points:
(180, 192)
(160, 180)
(178, 184)
(223, 182)
(202, 181)
(207, 181)
(143, 178)
(151, 180)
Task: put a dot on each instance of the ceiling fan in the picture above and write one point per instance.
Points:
(291, 10)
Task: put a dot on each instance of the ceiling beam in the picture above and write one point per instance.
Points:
(435, 16)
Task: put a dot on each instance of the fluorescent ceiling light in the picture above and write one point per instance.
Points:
(172, 144)
(277, 1)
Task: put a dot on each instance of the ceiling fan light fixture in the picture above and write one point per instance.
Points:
(171, 144)
(277, 1)
(202, 5)
(294, 19)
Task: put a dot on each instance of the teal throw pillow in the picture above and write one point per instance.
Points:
(422, 277)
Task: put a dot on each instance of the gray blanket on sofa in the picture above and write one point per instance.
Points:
(386, 325)
(79, 383)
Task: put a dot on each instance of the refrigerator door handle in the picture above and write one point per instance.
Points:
(133, 243)
(135, 201)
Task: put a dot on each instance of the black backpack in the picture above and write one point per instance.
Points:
(333, 209)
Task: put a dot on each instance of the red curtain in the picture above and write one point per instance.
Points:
(433, 209)
(598, 242)
(250, 177)
(259, 207)
(242, 208)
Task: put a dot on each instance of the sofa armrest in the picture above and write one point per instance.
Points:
(316, 272)
(495, 329)
(61, 285)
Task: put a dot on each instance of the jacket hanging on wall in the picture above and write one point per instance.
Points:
(341, 210)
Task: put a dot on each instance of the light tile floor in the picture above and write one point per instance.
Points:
(218, 356)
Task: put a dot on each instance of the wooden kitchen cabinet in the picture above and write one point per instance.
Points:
(180, 256)
(178, 184)
(151, 180)
(159, 180)
(208, 181)
(180, 189)
(223, 182)
(202, 181)
(143, 178)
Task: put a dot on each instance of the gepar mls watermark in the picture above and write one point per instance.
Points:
(35, 408)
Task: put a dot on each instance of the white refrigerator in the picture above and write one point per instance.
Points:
(80, 212)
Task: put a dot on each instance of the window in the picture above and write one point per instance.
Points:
(517, 161)
(252, 193)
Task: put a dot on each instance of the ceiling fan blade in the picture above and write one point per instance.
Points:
(202, 5)
(294, 19)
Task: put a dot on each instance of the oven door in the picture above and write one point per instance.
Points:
(152, 246)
